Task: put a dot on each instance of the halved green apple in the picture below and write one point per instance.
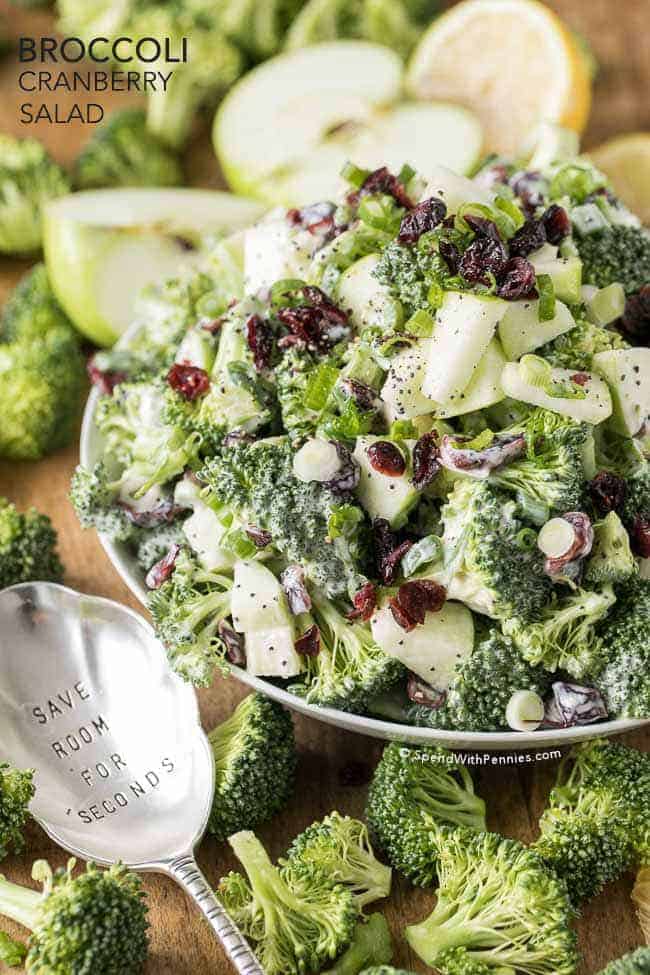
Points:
(102, 247)
(286, 129)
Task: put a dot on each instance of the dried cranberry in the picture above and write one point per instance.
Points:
(260, 341)
(293, 583)
(635, 322)
(386, 458)
(161, 513)
(382, 181)
(364, 603)
(483, 257)
(190, 382)
(234, 644)
(425, 460)
(450, 254)
(528, 238)
(572, 705)
(483, 227)
(308, 645)
(388, 550)
(400, 615)
(258, 536)
(608, 492)
(580, 378)
(348, 474)
(420, 597)
(355, 774)
(162, 570)
(424, 217)
(557, 224)
(640, 537)
(105, 379)
(517, 280)
(317, 219)
(320, 324)
(422, 693)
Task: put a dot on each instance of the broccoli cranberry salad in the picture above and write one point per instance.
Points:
(392, 452)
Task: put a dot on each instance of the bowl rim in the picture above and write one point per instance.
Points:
(477, 741)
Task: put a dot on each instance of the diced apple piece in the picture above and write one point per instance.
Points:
(484, 387)
(360, 294)
(381, 495)
(594, 407)
(402, 391)
(272, 653)
(454, 190)
(258, 600)
(627, 372)
(564, 272)
(521, 331)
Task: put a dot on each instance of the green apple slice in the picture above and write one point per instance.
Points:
(484, 388)
(627, 372)
(285, 130)
(102, 247)
(521, 331)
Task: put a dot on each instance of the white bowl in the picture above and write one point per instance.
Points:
(537, 742)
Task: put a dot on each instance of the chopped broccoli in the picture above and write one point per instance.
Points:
(122, 152)
(611, 558)
(42, 381)
(27, 547)
(296, 918)
(624, 680)
(32, 310)
(637, 499)
(255, 759)
(482, 685)
(497, 900)
(152, 544)
(93, 497)
(258, 478)
(385, 970)
(339, 846)
(617, 253)
(28, 180)
(371, 945)
(186, 612)
(258, 31)
(636, 963)
(350, 669)
(410, 272)
(94, 922)
(458, 961)
(485, 545)
(576, 349)
(16, 792)
(564, 634)
(412, 790)
(12, 952)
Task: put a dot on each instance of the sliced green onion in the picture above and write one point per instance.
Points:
(420, 323)
(281, 290)
(344, 521)
(546, 290)
(380, 212)
(436, 295)
(576, 181)
(319, 386)
(354, 175)
(535, 371)
(526, 539)
(556, 538)
(406, 174)
(511, 210)
(606, 305)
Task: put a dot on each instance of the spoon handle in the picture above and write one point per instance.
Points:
(186, 872)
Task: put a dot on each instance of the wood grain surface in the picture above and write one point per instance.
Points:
(181, 943)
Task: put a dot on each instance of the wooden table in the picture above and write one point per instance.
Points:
(181, 944)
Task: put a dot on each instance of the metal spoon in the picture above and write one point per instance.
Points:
(123, 769)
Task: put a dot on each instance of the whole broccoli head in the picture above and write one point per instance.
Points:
(32, 310)
(94, 499)
(485, 547)
(122, 152)
(258, 479)
(349, 669)
(186, 612)
(42, 381)
(482, 685)
(16, 792)
(94, 922)
(412, 790)
(27, 547)
(611, 559)
(617, 253)
(255, 760)
(636, 963)
(576, 349)
(339, 846)
(297, 919)
(371, 945)
(564, 634)
(28, 180)
(497, 900)
(624, 679)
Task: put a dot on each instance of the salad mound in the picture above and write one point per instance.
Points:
(392, 451)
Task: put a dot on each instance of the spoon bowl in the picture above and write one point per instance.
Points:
(123, 770)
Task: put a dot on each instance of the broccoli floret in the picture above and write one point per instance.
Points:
(28, 180)
(255, 760)
(611, 558)
(349, 669)
(410, 272)
(12, 952)
(258, 31)
(27, 547)
(458, 961)
(296, 918)
(564, 635)
(122, 152)
(637, 498)
(486, 548)
(16, 792)
(412, 790)
(497, 900)
(551, 475)
(152, 544)
(617, 253)
(32, 309)
(636, 963)
(42, 381)
(258, 478)
(576, 349)
(385, 970)
(624, 680)
(340, 847)
(186, 612)
(93, 497)
(94, 922)
(371, 945)
(482, 685)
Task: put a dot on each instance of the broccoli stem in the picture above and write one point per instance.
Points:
(21, 904)
(268, 888)
(442, 797)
